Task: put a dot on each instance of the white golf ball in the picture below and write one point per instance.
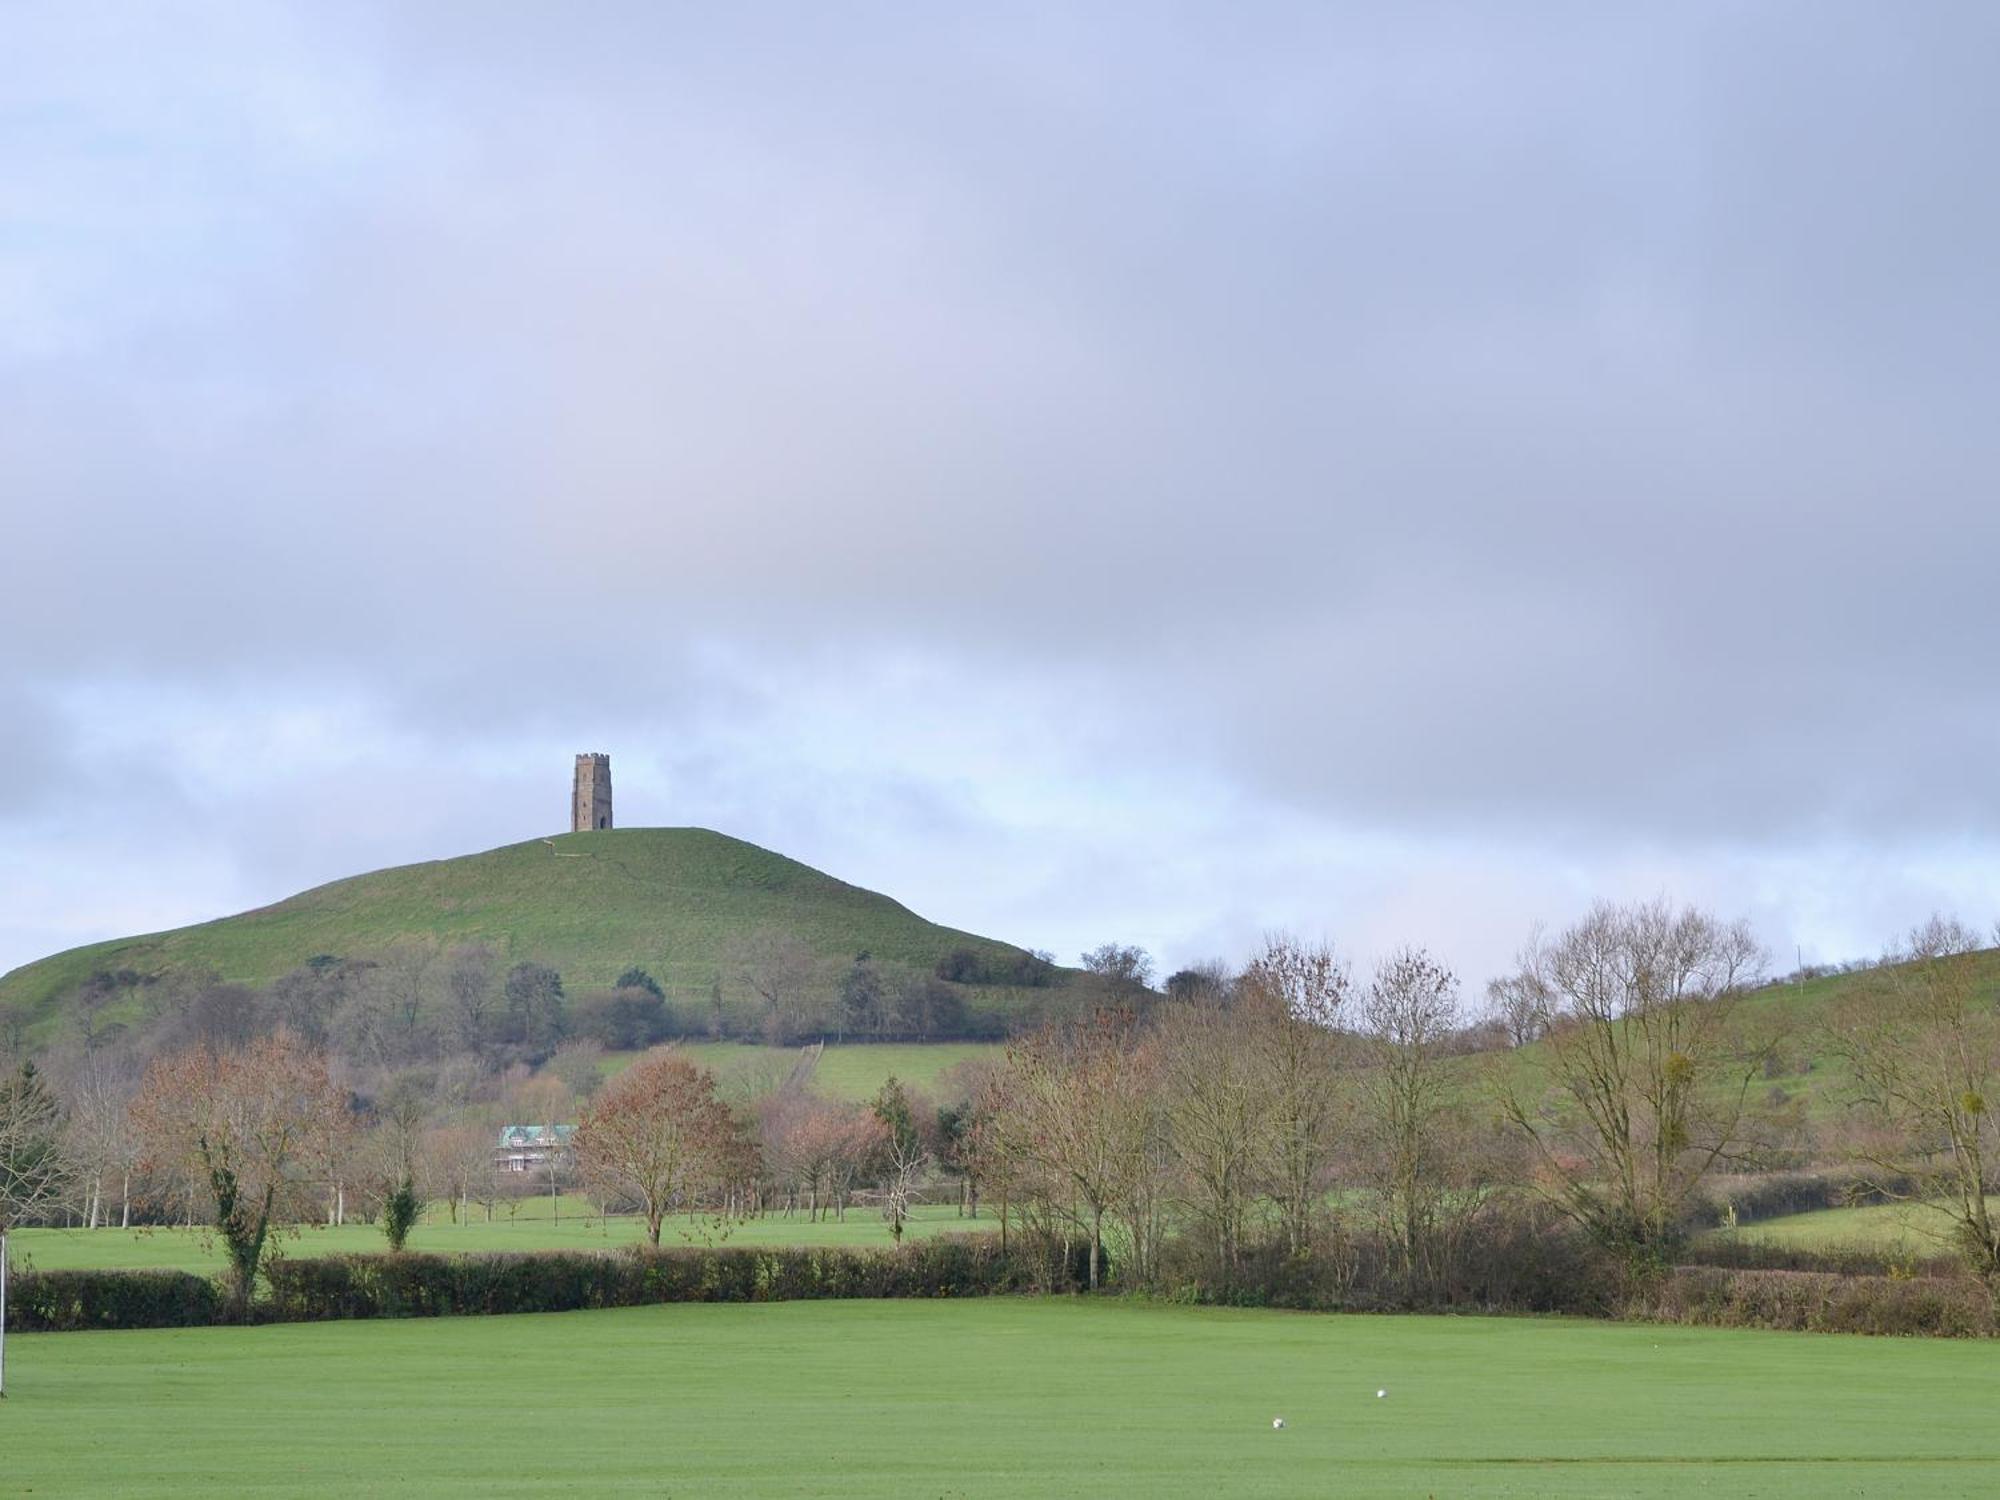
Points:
(1277, 1423)
(1380, 1394)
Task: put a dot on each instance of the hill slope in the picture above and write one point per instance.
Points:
(671, 900)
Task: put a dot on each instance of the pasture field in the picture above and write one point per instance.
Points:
(1907, 1228)
(535, 1227)
(851, 1070)
(995, 1398)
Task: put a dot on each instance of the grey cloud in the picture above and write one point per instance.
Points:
(1559, 425)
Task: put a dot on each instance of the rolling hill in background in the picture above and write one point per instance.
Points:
(674, 901)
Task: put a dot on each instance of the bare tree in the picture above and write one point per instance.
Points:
(656, 1134)
(100, 1138)
(782, 971)
(1077, 1113)
(815, 1147)
(239, 1125)
(1294, 994)
(1520, 1005)
(1206, 983)
(406, 974)
(1217, 1106)
(461, 1159)
(469, 988)
(34, 1174)
(1125, 966)
(1408, 1014)
(580, 1065)
(1921, 1040)
(1650, 1077)
(905, 1151)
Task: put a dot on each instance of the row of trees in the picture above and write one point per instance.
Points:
(1281, 1109)
(419, 1001)
(1283, 1103)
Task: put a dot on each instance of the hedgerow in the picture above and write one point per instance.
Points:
(425, 1286)
(65, 1301)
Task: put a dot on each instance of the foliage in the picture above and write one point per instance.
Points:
(400, 1212)
(1819, 1302)
(535, 1010)
(359, 1286)
(65, 1301)
(626, 1019)
(965, 965)
(636, 978)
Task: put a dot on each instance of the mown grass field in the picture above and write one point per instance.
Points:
(536, 1226)
(672, 900)
(993, 1399)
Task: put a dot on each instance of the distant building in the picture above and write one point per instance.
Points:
(523, 1148)
(590, 794)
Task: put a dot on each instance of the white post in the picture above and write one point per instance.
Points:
(3, 1310)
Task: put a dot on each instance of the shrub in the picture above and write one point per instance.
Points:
(400, 1213)
(1819, 1302)
(1752, 1255)
(416, 1286)
(624, 1019)
(65, 1301)
(1514, 1256)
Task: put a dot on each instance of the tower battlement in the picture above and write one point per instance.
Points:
(590, 794)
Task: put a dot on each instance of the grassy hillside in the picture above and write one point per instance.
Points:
(674, 901)
(1806, 1076)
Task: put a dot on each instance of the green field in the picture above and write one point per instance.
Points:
(995, 1398)
(535, 1226)
(674, 901)
(854, 1070)
(1912, 1228)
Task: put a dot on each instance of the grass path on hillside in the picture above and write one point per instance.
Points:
(533, 1229)
(994, 1399)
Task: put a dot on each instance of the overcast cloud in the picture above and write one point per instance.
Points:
(1091, 472)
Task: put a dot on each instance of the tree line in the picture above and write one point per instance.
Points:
(1290, 1118)
(417, 1000)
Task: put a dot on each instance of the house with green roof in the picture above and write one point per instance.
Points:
(523, 1148)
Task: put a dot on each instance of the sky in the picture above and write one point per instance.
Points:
(1159, 474)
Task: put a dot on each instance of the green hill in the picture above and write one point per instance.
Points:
(1804, 1073)
(674, 901)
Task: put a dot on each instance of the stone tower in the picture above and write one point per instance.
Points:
(590, 797)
